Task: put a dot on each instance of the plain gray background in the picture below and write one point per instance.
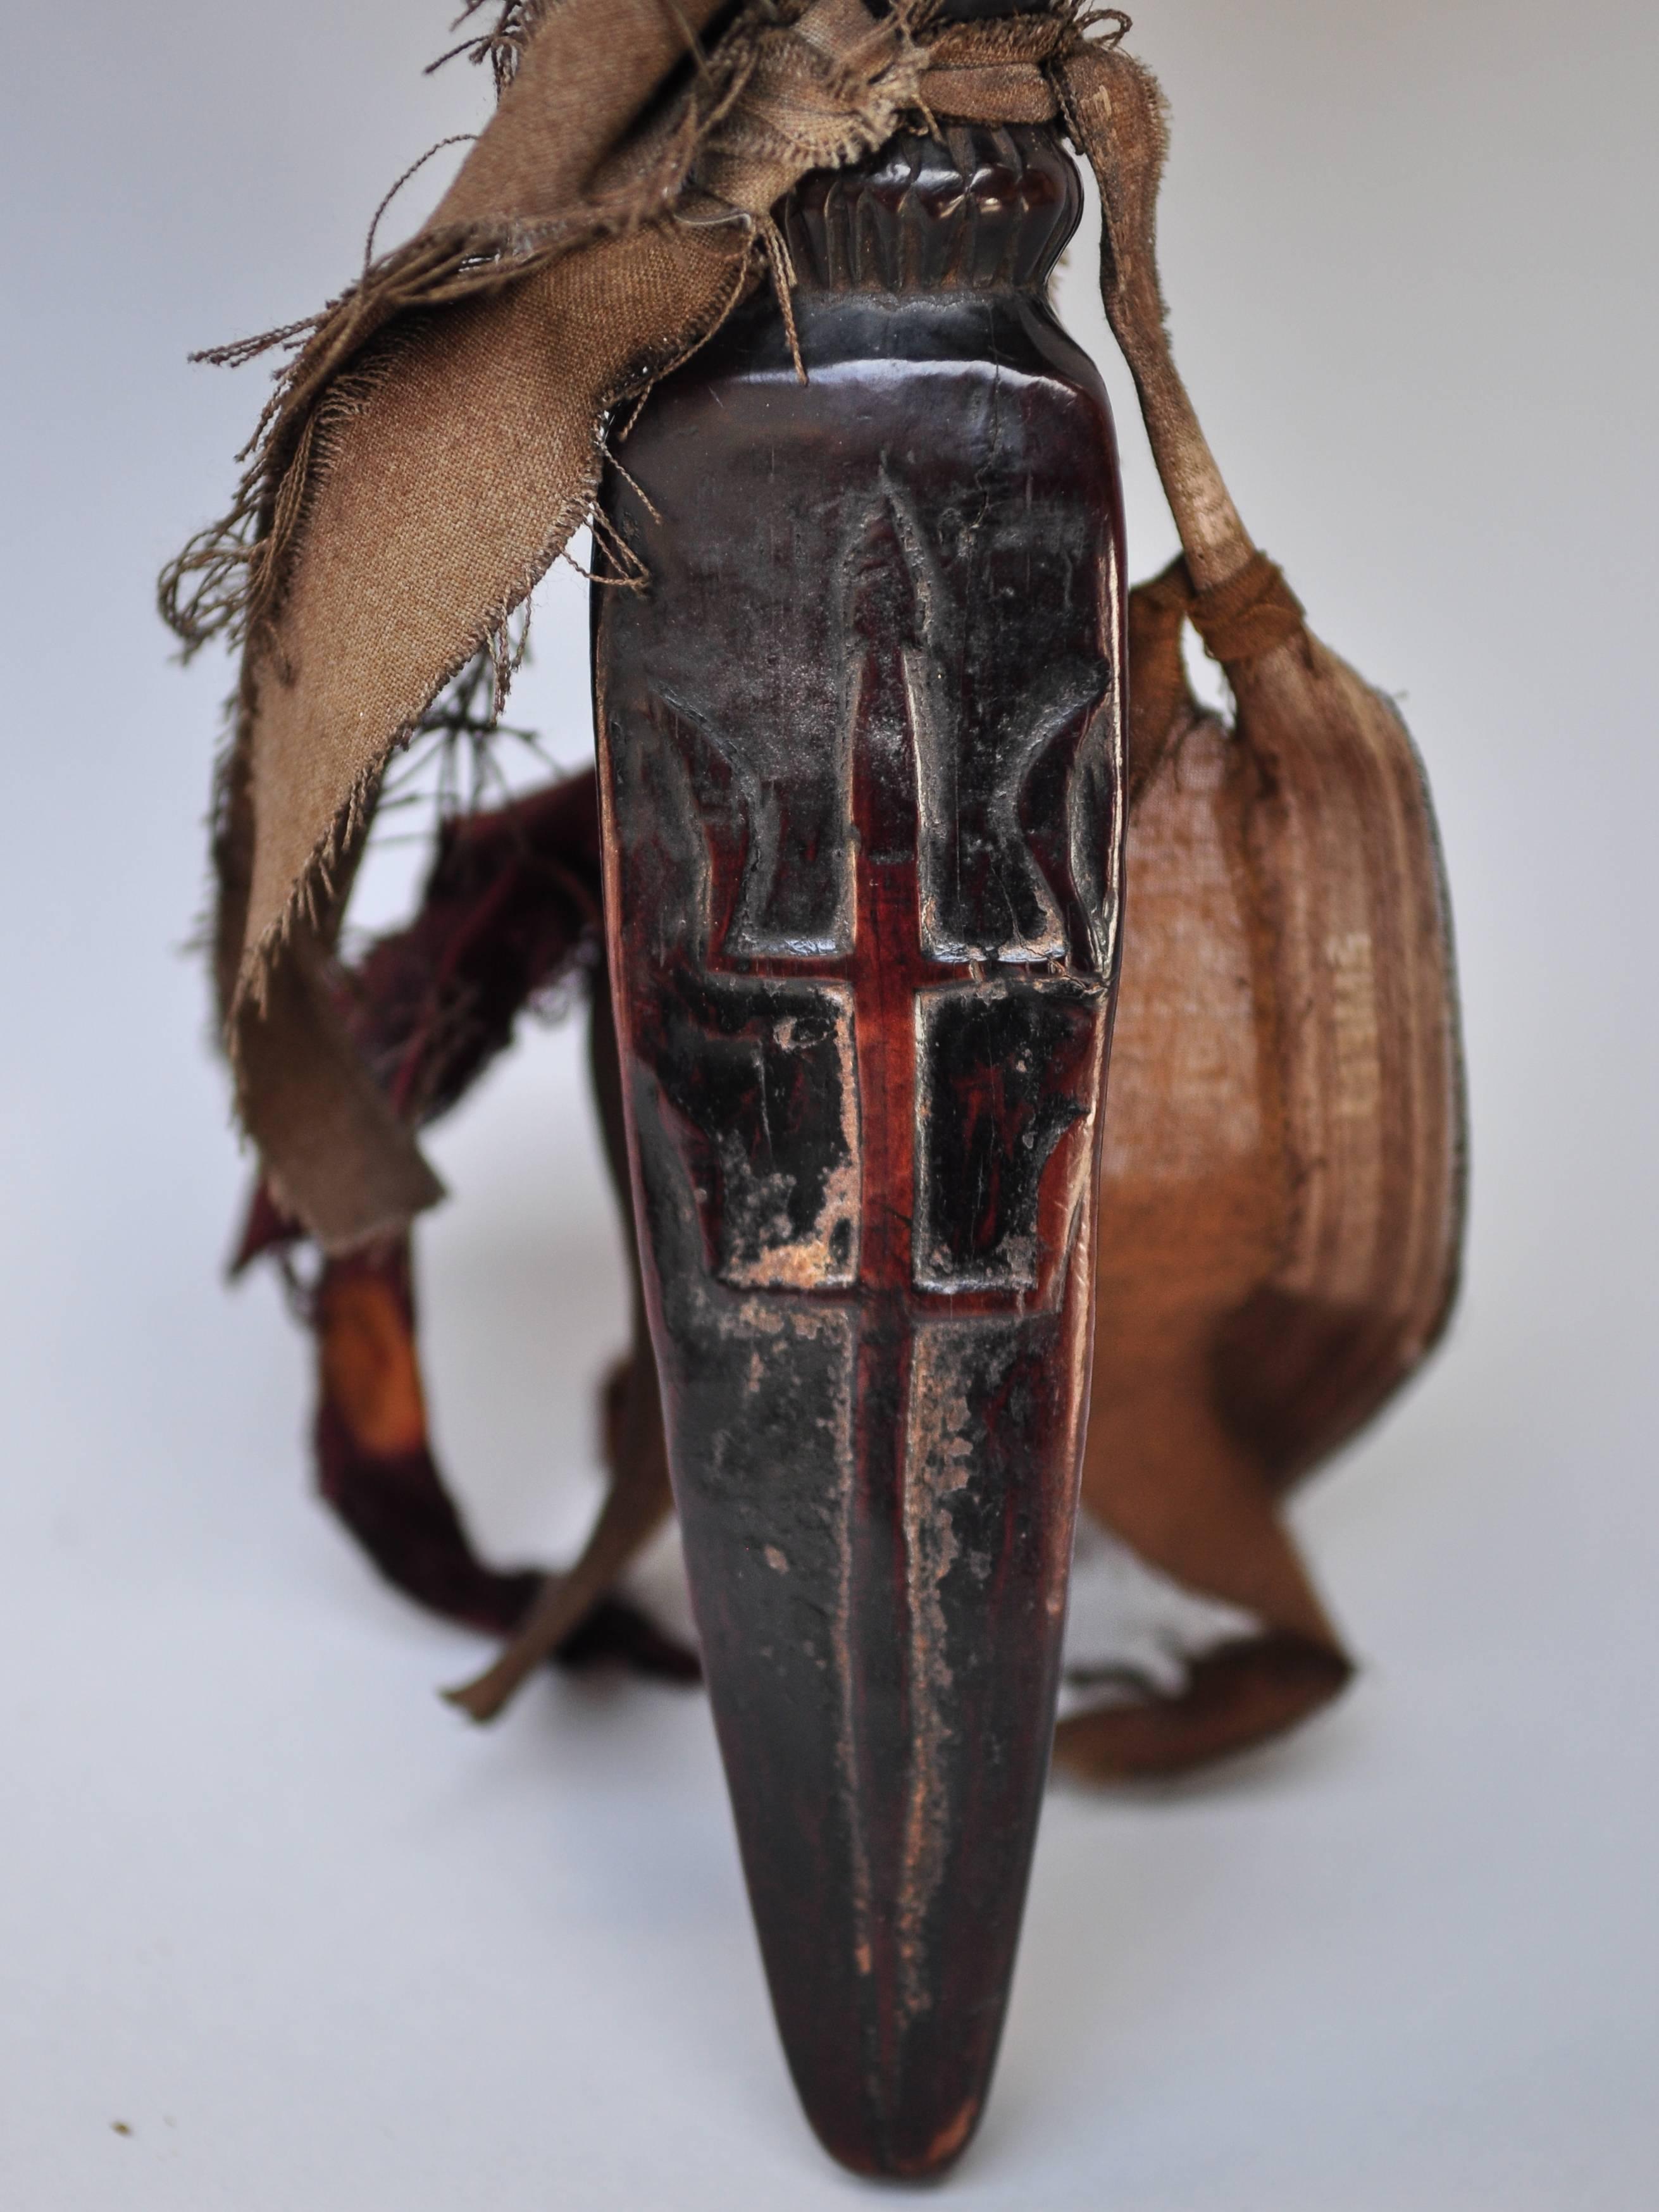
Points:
(267, 1904)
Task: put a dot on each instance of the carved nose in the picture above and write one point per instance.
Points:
(881, 1628)
(875, 1442)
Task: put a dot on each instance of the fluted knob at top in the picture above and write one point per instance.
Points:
(979, 208)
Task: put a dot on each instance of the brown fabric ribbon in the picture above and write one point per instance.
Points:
(438, 438)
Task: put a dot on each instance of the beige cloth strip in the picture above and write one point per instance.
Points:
(437, 439)
(434, 447)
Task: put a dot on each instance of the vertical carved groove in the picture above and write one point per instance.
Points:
(863, 764)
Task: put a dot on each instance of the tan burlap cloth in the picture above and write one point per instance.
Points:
(437, 439)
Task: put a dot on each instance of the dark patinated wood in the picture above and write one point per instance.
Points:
(861, 758)
(864, 796)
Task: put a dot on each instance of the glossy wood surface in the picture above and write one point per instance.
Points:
(861, 759)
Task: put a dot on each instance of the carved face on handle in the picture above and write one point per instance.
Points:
(861, 763)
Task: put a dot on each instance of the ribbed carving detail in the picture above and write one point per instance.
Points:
(976, 209)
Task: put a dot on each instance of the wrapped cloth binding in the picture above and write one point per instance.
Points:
(434, 444)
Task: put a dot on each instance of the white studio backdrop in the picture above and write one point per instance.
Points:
(267, 1905)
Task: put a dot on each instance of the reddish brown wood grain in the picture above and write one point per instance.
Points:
(861, 765)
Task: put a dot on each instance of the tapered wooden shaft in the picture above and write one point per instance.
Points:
(861, 764)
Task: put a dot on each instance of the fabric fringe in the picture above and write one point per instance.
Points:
(233, 571)
(574, 302)
(503, 45)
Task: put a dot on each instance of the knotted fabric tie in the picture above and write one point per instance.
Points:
(1248, 616)
(998, 72)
